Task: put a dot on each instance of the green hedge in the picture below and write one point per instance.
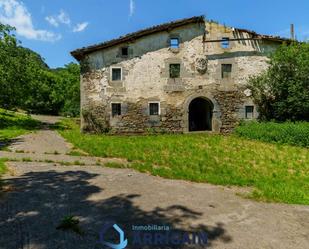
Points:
(283, 133)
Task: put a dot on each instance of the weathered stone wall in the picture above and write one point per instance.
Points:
(146, 78)
(137, 120)
(230, 102)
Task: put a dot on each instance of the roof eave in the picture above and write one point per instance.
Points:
(78, 54)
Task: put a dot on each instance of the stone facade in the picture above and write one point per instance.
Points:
(145, 78)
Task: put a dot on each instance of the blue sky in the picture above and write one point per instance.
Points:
(54, 28)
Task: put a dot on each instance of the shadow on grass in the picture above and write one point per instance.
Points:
(14, 124)
(38, 201)
(23, 123)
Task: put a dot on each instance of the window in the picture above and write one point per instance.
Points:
(226, 70)
(174, 43)
(174, 71)
(116, 74)
(249, 111)
(154, 108)
(116, 109)
(225, 43)
(125, 51)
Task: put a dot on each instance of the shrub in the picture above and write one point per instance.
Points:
(284, 133)
(282, 92)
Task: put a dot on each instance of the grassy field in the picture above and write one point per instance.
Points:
(13, 124)
(278, 173)
(284, 133)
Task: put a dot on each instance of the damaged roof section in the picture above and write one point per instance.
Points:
(80, 53)
(264, 37)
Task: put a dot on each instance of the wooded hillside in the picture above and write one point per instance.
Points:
(27, 83)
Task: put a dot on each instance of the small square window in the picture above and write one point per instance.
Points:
(226, 71)
(116, 109)
(225, 43)
(125, 51)
(174, 71)
(174, 43)
(249, 111)
(154, 108)
(116, 74)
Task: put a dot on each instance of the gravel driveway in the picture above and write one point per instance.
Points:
(36, 196)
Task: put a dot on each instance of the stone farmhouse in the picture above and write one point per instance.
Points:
(186, 75)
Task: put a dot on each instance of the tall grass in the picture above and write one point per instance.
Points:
(283, 133)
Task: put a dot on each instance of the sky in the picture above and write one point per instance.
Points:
(53, 28)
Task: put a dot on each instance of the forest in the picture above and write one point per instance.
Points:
(28, 84)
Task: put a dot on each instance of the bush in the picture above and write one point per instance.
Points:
(282, 92)
(283, 133)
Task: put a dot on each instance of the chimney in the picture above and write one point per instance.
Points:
(292, 32)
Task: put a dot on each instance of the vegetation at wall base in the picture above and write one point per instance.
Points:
(277, 172)
(293, 133)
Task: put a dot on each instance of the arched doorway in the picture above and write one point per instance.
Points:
(200, 114)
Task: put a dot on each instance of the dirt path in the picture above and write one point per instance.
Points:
(42, 141)
(38, 195)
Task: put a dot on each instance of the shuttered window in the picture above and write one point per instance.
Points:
(225, 43)
(174, 43)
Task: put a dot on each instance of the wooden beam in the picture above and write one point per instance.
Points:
(234, 39)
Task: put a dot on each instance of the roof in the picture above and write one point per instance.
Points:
(80, 53)
(265, 37)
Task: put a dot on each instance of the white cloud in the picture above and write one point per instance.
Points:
(131, 8)
(80, 27)
(61, 18)
(52, 21)
(15, 13)
(64, 18)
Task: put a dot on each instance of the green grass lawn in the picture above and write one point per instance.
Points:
(14, 124)
(277, 172)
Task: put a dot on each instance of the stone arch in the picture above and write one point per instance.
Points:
(215, 108)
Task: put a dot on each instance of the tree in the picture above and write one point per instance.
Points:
(282, 92)
(67, 90)
(27, 82)
(9, 64)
